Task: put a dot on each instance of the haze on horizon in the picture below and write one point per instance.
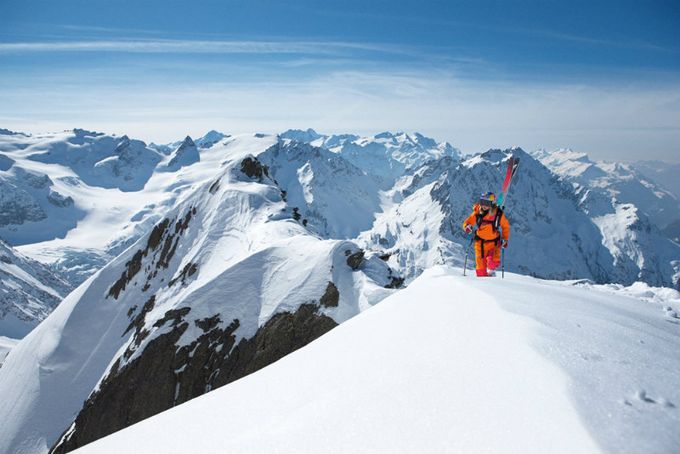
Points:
(600, 78)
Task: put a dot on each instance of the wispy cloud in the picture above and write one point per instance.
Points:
(621, 121)
(201, 46)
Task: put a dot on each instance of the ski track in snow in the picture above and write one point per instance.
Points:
(451, 364)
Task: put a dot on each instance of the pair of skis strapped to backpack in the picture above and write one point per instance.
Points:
(513, 163)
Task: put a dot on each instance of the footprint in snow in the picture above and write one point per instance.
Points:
(642, 396)
(670, 312)
(672, 315)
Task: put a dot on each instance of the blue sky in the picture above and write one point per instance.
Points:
(601, 77)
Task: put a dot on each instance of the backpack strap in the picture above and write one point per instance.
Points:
(497, 220)
(495, 224)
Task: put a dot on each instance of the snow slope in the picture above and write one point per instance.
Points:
(29, 291)
(662, 173)
(453, 364)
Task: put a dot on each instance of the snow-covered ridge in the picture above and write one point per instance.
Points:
(453, 364)
(227, 266)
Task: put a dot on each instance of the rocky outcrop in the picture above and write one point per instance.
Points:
(254, 168)
(355, 260)
(162, 232)
(164, 375)
(331, 297)
(395, 282)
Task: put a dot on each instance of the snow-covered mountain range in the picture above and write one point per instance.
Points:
(385, 155)
(201, 261)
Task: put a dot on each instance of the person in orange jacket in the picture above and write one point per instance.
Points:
(493, 232)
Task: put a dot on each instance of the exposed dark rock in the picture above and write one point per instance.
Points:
(167, 252)
(385, 257)
(331, 297)
(164, 376)
(355, 260)
(395, 282)
(157, 234)
(161, 233)
(208, 323)
(188, 271)
(296, 213)
(138, 321)
(59, 200)
(254, 168)
(174, 315)
(282, 334)
(127, 395)
(304, 222)
(214, 187)
(133, 266)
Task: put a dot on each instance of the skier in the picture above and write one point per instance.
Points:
(488, 218)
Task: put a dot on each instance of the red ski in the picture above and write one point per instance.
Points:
(513, 163)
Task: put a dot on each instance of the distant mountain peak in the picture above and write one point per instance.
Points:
(185, 154)
(299, 135)
(188, 142)
(210, 138)
(7, 132)
(85, 132)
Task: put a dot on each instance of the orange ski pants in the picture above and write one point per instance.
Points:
(487, 254)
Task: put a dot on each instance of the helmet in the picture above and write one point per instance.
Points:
(487, 200)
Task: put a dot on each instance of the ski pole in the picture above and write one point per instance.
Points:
(467, 252)
(502, 263)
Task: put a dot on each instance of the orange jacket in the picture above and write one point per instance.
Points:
(485, 231)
